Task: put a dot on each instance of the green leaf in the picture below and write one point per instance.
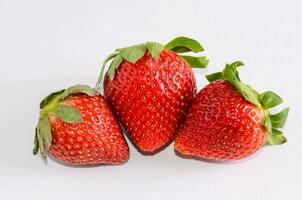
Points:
(114, 65)
(84, 89)
(267, 122)
(279, 119)
(41, 145)
(196, 62)
(36, 142)
(45, 131)
(237, 63)
(49, 98)
(62, 94)
(230, 73)
(43, 136)
(276, 137)
(184, 44)
(134, 53)
(98, 84)
(248, 93)
(154, 48)
(68, 114)
(270, 99)
(214, 76)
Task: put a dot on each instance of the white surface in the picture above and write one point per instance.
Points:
(48, 45)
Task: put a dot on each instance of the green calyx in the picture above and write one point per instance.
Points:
(265, 101)
(52, 105)
(133, 53)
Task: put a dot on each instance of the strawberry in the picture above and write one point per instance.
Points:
(150, 88)
(228, 120)
(77, 127)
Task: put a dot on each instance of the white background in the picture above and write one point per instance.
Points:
(49, 45)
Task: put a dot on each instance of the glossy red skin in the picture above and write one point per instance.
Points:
(221, 125)
(96, 140)
(151, 98)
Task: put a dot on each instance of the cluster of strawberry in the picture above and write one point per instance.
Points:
(150, 90)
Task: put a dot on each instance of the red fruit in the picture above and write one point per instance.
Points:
(228, 120)
(151, 93)
(221, 124)
(82, 129)
(151, 97)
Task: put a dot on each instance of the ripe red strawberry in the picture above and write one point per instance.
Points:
(228, 120)
(150, 88)
(77, 127)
